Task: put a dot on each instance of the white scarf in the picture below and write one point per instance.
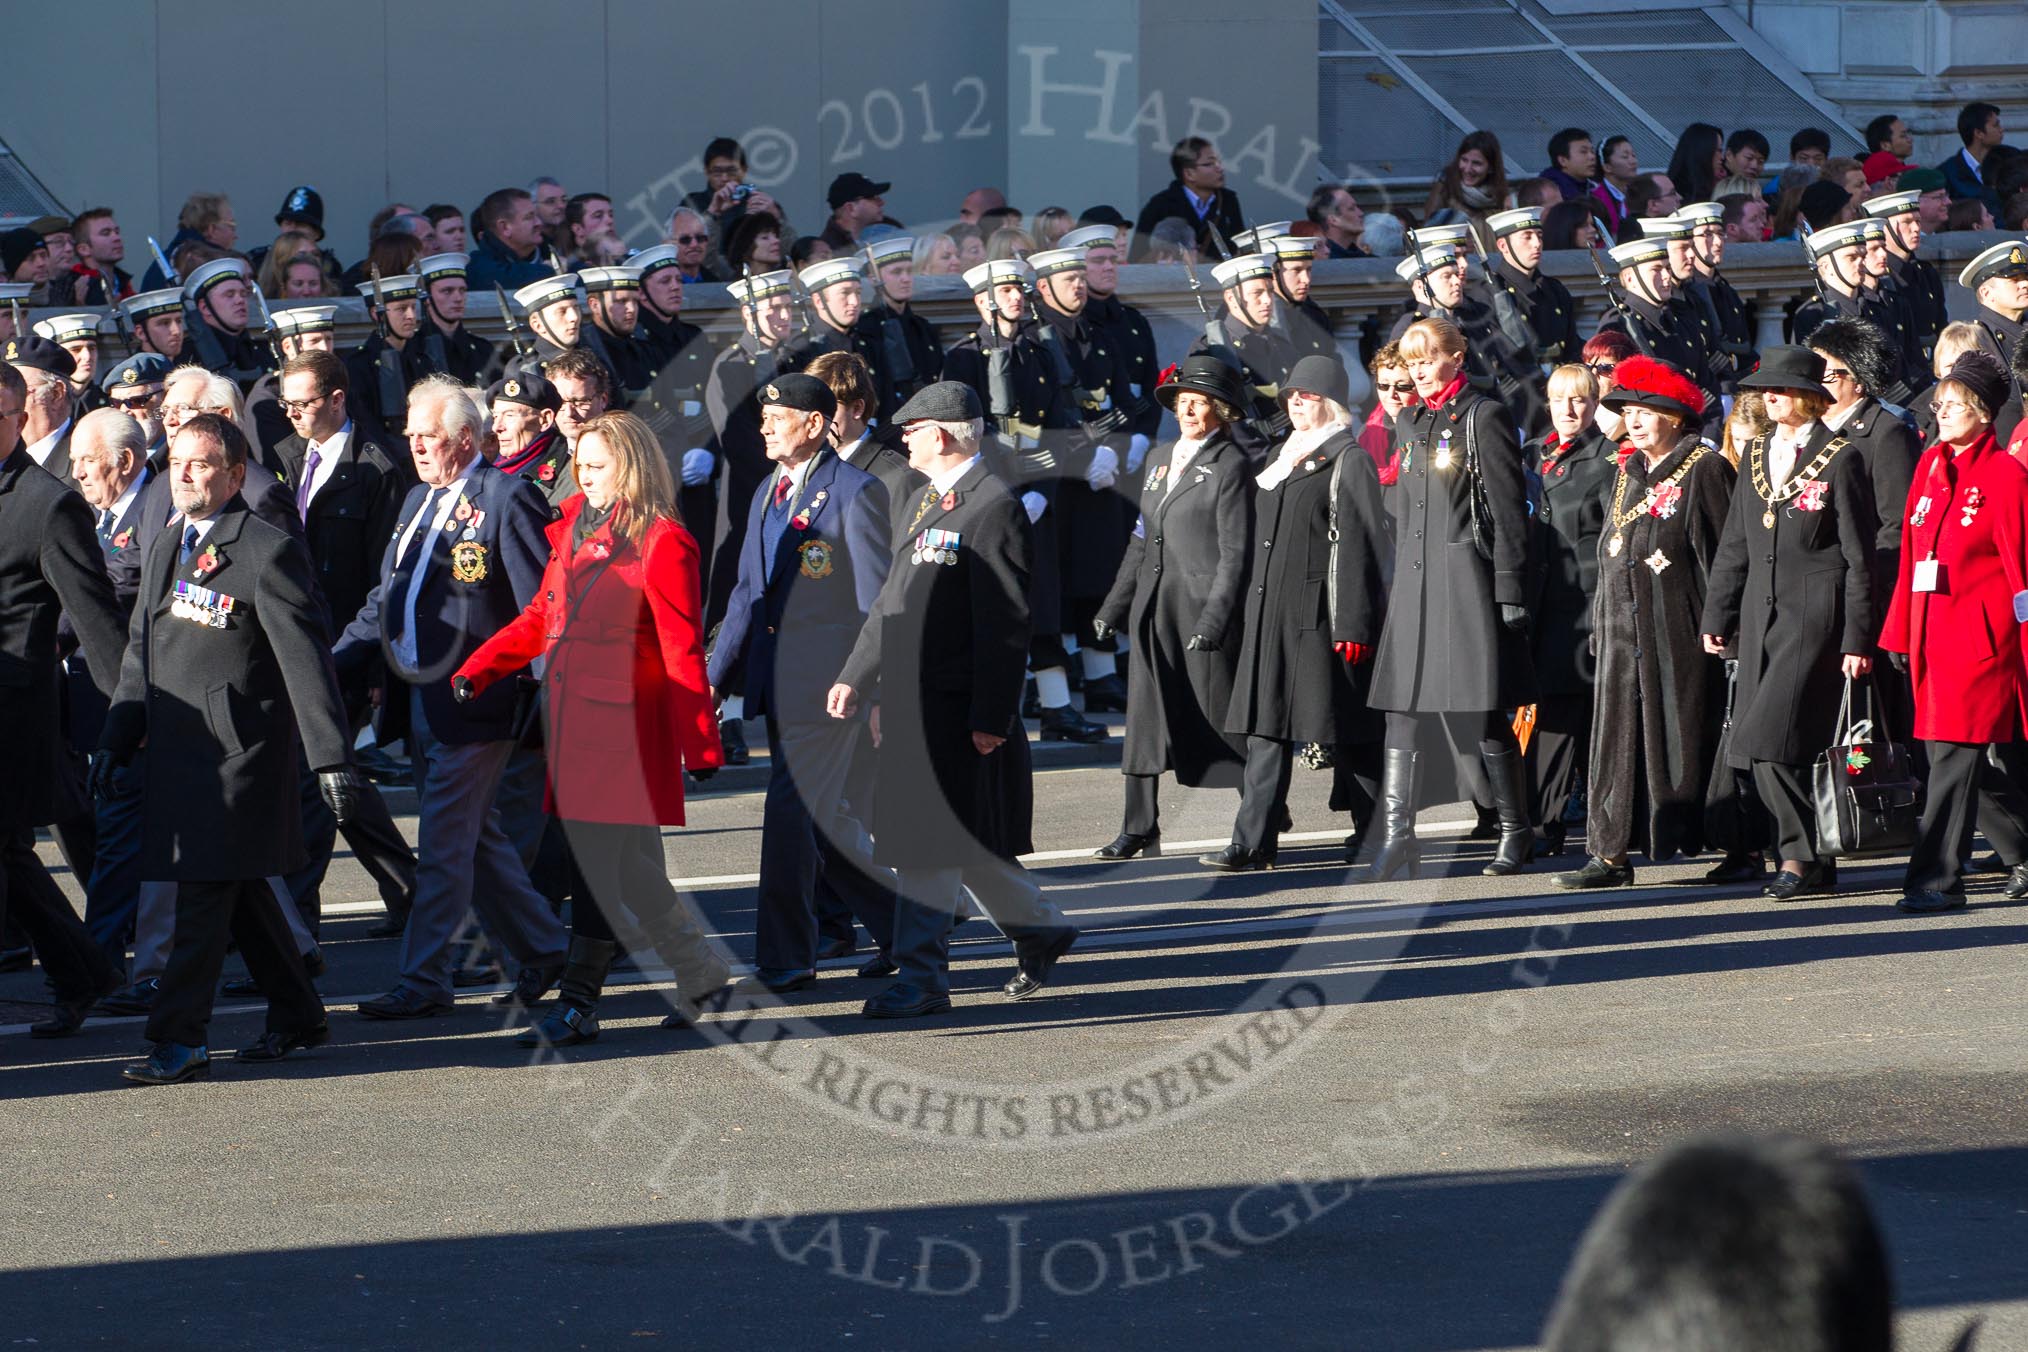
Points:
(1295, 450)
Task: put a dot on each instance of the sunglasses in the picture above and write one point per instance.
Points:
(131, 405)
(1603, 368)
(1398, 387)
(693, 239)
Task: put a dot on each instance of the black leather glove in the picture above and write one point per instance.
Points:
(700, 773)
(1899, 661)
(1200, 644)
(1514, 617)
(462, 690)
(104, 763)
(340, 789)
(1103, 630)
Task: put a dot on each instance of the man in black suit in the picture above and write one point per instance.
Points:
(226, 666)
(859, 443)
(49, 565)
(942, 654)
(1198, 197)
(348, 490)
(815, 557)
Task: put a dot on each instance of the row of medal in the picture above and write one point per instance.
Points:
(936, 546)
(200, 605)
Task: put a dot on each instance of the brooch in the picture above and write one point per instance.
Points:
(1921, 512)
(1663, 501)
(1657, 561)
(1971, 507)
(816, 559)
(1443, 449)
(1810, 498)
(599, 549)
(207, 562)
(547, 472)
(124, 538)
(468, 561)
(950, 501)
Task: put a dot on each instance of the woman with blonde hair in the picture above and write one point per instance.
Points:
(1748, 420)
(288, 246)
(619, 621)
(1050, 224)
(936, 255)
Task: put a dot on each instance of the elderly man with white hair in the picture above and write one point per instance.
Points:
(467, 556)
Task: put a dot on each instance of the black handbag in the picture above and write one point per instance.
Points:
(1864, 788)
(1475, 493)
(1728, 811)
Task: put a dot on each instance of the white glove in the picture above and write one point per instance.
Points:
(697, 466)
(1105, 467)
(1036, 505)
(1137, 451)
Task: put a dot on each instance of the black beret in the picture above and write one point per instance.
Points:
(800, 391)
(39, 354)
(945, 401)
(527, 387)
(1983, 376)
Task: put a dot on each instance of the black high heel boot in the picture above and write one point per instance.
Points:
(1399, 852)
(1509, 778)
(574, 1018)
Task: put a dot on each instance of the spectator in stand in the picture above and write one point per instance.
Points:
(96, 236)
(1825, 203)
(447, 223)
(507, 250)
(1002, 217)
(291, 248)
(1573, 164)
(936, 256)
(1619, 166)
(978, 202)
(1473, 184)
(726, 196)
(1790, 186)
(1971, 213)
(1746, 153)
(1340, 219)
(1198, 195)
(1570, 225)
(1889, 133)
(1745, 219)
(1649, 197)
(1382, 237)
(1848, 174)
(1965, 172)
(971, 245)
(1698, 163)
(1173, 241)
(1539, 192)
(1011, 244)
(1050, 223)
(755, 246)
(207, 216)
(303, 212)
(1811, 145)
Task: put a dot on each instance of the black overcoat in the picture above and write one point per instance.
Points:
(1444, 648)
(1183, 574)
(1890, 449)
(1575, 485)
(1660, 699)
(944, 653)
(351, 518)
(219, 707)
(1798, 595)
(1291, 684)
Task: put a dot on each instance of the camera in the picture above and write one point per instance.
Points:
(741, 191)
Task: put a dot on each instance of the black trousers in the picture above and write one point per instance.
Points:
(1956, 769)
(806, 833)
(208, 914)
(376, 842)
(623, 866)
(1559, 748)
(1784, 790)
(1263, 791)
(2003, 811)
(1142, 815)
(31, 899)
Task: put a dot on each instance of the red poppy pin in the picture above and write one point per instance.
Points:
(124, 538)
(1810, 498)
(800, 521)
(1168, 374)
(1972, 501)
(950, 500)
(600, 549)
(464, 509)
(207, 562)
(547, 472)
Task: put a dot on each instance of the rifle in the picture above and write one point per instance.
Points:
(267, 323)
(771, 352)
(521, 348)
(124, 327)
(169, 274)
(1506, 301)
(1214, 325)
(1617, 298)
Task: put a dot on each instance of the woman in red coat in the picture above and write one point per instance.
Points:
(618, 619)
(1957, 612)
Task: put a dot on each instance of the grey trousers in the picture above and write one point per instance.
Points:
(931, 897)
(466, 862)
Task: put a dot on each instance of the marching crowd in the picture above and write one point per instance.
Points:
(1646, 578)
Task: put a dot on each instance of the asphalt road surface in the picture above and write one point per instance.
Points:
(1275, 1108)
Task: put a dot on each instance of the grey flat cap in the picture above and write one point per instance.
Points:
(945, 401)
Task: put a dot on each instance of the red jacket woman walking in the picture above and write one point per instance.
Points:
(1957, 613)
(618, 620)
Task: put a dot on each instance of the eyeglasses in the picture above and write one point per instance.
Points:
(584, 405)
(182, 410)
(1944, 406)
(292, 407)
(693, 239)
(1602, 368)
(140, 405)
(14, 412)
(1398, 387)
(1833, 373)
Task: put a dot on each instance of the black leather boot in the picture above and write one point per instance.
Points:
(1509, 778)
(1105, 694)
(1398, 851)
(1068, 725)
(574, 1019)
(1127, 844)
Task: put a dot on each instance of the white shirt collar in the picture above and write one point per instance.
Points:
(1965, 153)
(797, 475)
(119, 509)
(1836, 420)
(1200, 203)
(851, 450)
(328, 452)
(41, 450)
(948, 480)
(203, 527)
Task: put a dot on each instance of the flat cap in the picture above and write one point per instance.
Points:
(405, 287)
(547, 291)
(292, 320)
(216, 272)
(800, 391)
(945, 401)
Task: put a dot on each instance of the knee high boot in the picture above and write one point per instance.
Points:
(1509, 778)
(574, 1019)
(1398, 852)
(698, 969)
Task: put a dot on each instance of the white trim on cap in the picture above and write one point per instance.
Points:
(442, 265)
(1519, 218)
(1891, 203)
(1999, 253)
(654, 256)
(760, 286)
(831, 272)
(403, 287)
(68, 328)
(1051, 261)
(547, 291)
(1090, 237)
(1251, 241)
(998, 271)
(1638, 251)
(203, 278)
(1821, 242)
(1233, 271)
(1429, 236)
(1696, 213)
(890, 248)
(1663, 227)
(166, 300)
(305, 319)
(610, 278)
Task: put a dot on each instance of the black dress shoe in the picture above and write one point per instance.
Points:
(1929, 903)
(403, 1003)
(17, 959)
(1238, 859)
(1787, 886)
(564, 1026)
(1068, 725)
(877, 966)
(530, 985)
(1553, 837)
(1031, 972)
(905, 1001)
(836, 948)
(479, 974)
(275, 1046)
(170, 1063)
(1487, 827)
(732, 740)
(240, 987)
(1596, 873)
(138, 998)
(1106, 694)
(2017, 883)
(1738, 866)
(776, 981)
(65, 1019)
(1127, 844)
(391, 928)
(1985, 863)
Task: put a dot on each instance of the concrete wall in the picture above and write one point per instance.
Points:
(445, 100)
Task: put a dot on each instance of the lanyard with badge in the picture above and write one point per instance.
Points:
(1928, 573)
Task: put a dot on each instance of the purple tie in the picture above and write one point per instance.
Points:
(303, 488)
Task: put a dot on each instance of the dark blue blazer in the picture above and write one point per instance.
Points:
(796, 628)
(453, 617)
(88, 704)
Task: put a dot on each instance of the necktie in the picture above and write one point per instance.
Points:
(106, 527)
(929, 500)
(408, 574)
(189, 546)
(303, 488)
(781, 491)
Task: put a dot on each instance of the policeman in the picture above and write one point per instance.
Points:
(1735, 317)
(298, 329)
(1128, 330)
(1998, 277)
(912, 358)
(79, 336)
(1916, 280)
(376, 368)
(156, 318)
(218, 308)
(1015, 379)
(444, 345)
(612, 297)
(680, 357)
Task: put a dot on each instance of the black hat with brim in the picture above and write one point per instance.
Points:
(1205, 375)
(1787, 368)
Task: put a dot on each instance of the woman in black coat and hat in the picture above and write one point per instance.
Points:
(1177, 594)
(1313, 614)
(1455, 642)
(1658, 701)
(1793, 583)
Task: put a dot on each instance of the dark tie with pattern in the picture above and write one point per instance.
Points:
(189, 546)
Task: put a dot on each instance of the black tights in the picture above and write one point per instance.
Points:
(1493, 732)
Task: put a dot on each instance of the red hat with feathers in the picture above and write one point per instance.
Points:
(1657, 385)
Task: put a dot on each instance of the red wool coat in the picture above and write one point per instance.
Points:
(1967, 654)
(627, 701)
